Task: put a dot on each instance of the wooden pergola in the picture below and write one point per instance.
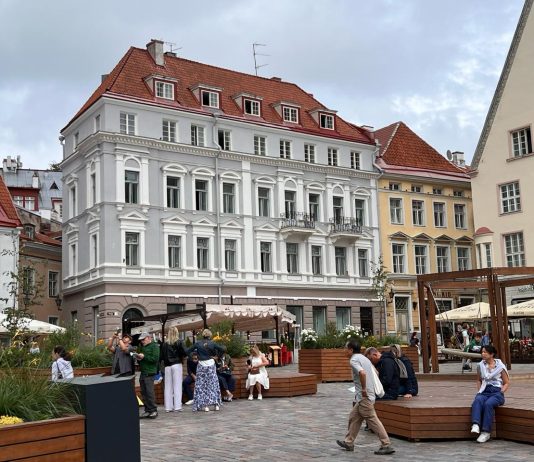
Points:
(494, 280)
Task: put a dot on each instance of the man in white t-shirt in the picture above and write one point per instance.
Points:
(364, 406)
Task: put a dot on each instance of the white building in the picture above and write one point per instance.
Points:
(185, 183)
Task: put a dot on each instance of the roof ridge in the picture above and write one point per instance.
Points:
(391, 137)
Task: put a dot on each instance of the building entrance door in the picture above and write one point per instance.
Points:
(402, 316)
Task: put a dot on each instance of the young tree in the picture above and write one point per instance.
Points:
(24, 291)
(381, 287)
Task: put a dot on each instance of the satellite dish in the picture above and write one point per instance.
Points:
(449, 154)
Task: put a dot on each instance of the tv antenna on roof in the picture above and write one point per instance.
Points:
(256, 65)
(172, 47)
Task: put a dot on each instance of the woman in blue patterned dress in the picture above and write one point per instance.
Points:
(207, 390)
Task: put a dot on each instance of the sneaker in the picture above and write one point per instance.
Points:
(484, 436)
(260, 397)
(345, 446)
(188, 403)
(385, 450)
(144, 415)
(467, 368)
(152, 415)
(229, 397)
(170, 410)
(217, 407)
(475, 429)
(179, 410)
(158, 378)
(250, 397)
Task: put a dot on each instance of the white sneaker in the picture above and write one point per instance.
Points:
(475, 429)
(484, 436)
(250, 397)
(207, 409)
(188, 403)
(260, 397)
(217, 407)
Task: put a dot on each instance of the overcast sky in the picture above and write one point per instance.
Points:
(433, 64)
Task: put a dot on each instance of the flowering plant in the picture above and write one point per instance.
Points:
(308, 338)
(349, 332)
(9, 420)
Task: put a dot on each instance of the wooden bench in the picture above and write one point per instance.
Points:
(443, 411)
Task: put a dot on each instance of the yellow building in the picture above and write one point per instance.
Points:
(426, 222)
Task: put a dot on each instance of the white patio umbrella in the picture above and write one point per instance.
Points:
(521, 310)
(251, 318)
(33, 326)
(479, 310)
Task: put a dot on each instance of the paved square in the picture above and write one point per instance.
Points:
(295, 429)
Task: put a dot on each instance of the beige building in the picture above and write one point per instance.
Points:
(426, 221)
(503, 164)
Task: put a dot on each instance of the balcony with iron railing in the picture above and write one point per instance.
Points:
(345, 228)
(297, 224)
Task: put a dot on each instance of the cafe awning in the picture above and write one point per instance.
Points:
(33, 326)
(251, 318)
(521, 310)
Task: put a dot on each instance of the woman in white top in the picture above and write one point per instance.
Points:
(257, 374)
(61, 367)
(492, 382)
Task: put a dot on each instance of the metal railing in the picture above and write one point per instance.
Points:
(297, 220)
(345, 225)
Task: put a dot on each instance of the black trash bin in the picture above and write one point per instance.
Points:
(111, 418)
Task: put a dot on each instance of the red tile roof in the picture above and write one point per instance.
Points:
(127, 80)
(8, 214)
(400, 146)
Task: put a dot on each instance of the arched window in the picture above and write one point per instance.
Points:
(130, 320)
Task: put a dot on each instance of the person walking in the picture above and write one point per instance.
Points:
(492, 382)
(172, 355)
(148, 358)
(364, 376)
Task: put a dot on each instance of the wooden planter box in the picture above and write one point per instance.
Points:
(55, 440)
(81, 371)
(329, 365)
(332, 365)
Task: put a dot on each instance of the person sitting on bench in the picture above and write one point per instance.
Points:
(475, 345)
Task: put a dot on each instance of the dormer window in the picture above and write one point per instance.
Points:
(164, 90)
(210, 98)
(251, 107)
(326, 121)
(290, 114)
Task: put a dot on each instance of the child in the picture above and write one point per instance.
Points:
(61, 367)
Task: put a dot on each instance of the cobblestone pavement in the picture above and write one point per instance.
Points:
(295, 429)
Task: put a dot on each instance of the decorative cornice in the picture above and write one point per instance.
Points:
(152, 143)
(502, 83)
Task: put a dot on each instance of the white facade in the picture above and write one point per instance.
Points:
(151, 223)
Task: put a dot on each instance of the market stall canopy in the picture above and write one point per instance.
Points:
(251, 318)
(521, 310)
(33, 326)
(480, 310)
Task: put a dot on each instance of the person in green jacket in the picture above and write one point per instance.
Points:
(148, 358)
(474, 346)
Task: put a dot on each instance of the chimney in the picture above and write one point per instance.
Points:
(276, 79)
(155, 48)
(35, 180)
(458, 158)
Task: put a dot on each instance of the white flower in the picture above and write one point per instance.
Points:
(308, 335)
(351, 331)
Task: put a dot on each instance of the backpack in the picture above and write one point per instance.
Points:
(403, 373)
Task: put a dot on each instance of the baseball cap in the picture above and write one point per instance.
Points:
(144, 335)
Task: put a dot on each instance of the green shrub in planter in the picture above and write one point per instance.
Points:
(31, 396)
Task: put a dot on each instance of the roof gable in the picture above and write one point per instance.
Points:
(502, 83)
(128, 80)
(400, 146)
(8, 213)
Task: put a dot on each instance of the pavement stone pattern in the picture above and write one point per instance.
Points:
(295, 429)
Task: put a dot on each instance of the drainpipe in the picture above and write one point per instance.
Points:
(383, 319)
(217, 209)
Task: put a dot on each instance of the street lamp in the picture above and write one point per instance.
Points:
(58, 302)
